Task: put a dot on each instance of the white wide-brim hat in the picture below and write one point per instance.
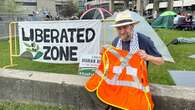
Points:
(123, 18)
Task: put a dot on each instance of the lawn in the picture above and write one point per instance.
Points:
(180, 53)
(25, 106)
(157, 74)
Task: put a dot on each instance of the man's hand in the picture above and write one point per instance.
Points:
(143, 55)
(150, 58)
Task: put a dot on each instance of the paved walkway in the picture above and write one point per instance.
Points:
(192, 56)
(183, 78)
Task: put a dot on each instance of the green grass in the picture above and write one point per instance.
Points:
(180, 53)
(157, 74)
(23, 106)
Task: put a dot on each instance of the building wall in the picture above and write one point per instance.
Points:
(118, 4)
(28, 6)
(176, 3)
(49, 6)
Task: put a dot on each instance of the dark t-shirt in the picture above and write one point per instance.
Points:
(145, 43)
(125, 45)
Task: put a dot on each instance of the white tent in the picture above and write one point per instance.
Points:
(109, 33)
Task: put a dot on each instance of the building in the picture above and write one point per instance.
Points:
(116, 5)
(107, 4)
(52, 7)
(178, 5)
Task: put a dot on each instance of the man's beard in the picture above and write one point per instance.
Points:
(126, 37)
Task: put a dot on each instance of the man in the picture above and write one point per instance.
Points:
(178, 20)
(131, 41)
(121, 81)
(155, 14)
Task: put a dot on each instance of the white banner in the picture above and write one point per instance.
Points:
(59, 41)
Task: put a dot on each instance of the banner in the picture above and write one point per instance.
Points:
(59, 41)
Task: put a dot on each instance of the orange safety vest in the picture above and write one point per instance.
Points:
(121, 81)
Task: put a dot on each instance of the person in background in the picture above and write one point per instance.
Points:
(176, 20)
(188, 21)
(155, 14)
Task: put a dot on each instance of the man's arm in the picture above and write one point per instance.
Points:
(150, 58)
(148, 51)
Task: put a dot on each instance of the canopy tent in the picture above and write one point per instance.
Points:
(165, 20)
(109, 33)
(96, 13)
(168, 13)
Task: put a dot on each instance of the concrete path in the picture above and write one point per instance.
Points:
(192, 56)
(183, 78)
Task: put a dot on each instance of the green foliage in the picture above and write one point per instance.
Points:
(38, 55)
(2, 5)
(69, 10)
(9, 7)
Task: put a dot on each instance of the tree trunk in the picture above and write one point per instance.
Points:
(156, 6)
(111, 7)
(155, 9)
(126, 4)
(140, 7)
(170, 5)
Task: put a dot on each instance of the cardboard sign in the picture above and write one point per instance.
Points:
(88, 64)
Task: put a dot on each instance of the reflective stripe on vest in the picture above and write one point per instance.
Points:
(115, 81)
(130, 70)
(122, 59)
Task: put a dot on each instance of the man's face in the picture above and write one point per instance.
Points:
(125, 32)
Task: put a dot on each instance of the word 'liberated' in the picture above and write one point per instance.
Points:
(79, 35)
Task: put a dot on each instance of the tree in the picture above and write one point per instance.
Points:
(2, 5)
(126, 4)
(156, 6)
(170, 5)
(111, 7)
(69, 9)
(140, 7)
(10, 7)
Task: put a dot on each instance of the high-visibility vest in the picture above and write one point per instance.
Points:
(121, 81)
